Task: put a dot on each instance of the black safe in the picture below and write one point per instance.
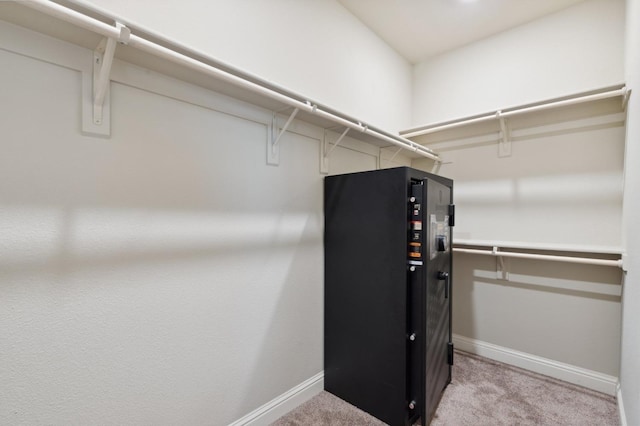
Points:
(387, 323)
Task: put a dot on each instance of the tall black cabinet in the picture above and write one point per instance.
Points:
(387, 328)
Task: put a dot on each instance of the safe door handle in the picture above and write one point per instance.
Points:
(442, 275)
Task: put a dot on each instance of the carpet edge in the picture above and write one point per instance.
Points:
(590, 379)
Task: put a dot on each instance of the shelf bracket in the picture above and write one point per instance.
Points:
(625, 98)
(502, 265)
(396, 153)
(102, 62)
(504, 144)
(273, 145)
(336, 143)
(324, 157)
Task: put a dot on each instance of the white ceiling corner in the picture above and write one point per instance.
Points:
(419, 29)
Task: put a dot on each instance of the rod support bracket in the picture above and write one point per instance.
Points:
(273, 141)
(102, 61)
(625, 98)
(125, 33)
(396, 154)
(504, 144)
(327, 148)
(502, 265)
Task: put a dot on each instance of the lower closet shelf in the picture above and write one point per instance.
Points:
(592, 255)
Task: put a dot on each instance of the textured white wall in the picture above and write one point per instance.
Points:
(564, 187)
(577, 49)
(164, 275)
(630, 364)
(557, 188)
(563, 312)
(561, 185)
(316, 48)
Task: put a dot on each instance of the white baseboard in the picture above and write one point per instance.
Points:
(281, 405)
(569, 373)
(621, 413)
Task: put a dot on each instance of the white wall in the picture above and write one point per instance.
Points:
(561, 185)
(630, 363)
(558, 188)
(577, 49)
(163, 275)
(316, 48)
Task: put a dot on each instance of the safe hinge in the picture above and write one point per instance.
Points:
(450, 353)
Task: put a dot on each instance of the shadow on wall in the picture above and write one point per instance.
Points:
(561, 311)
(582, 281)
(41, 240)
(290, 323)
(145, 278)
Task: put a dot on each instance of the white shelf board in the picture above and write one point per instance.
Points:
(576, 248)
(550, 110)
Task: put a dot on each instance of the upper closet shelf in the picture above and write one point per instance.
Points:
(83, 25)
(501, 115)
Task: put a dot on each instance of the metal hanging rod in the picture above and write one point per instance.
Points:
(502, 114)
(555, 258)
(106, 30)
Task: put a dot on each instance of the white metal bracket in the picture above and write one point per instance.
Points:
(102, 62)
(273, 143)
(326, 150)
(396, 153)
(504, 144)
(625, 98)
(502, 265)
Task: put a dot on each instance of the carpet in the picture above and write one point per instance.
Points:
(482, 392)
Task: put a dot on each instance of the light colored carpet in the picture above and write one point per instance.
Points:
(483, 392)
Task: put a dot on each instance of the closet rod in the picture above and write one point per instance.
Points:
(583, 260)
(106, 30)
(433, 128)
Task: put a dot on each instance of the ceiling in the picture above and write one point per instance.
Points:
(419, 29)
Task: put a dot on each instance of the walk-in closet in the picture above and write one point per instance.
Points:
(162, 173)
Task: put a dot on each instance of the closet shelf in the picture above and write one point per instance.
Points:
(84, 25)
(502, 114)
(574, 248)
(592, 255)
